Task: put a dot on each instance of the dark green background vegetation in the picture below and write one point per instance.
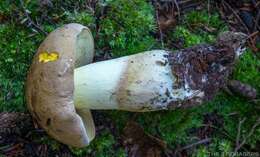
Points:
(127, 28)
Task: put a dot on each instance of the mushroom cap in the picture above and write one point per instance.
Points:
(50, 85)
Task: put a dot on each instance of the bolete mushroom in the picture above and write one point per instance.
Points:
(158, 79)
(62, 87)
(50, 85)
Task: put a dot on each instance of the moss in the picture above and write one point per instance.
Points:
(189, 38)
(171, 126)
(219, 147)
(120, 118)
(200, 19)
(55, 145)
(17, 49)
(83, 18)
(201, 152)
(193, 30)
(18, 45)
(126, 27)
(247, 69)
(102, 146)
(7, 7)
(175, 127)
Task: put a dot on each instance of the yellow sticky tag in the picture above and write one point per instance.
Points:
(48, 57)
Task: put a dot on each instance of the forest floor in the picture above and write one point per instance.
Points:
(227, 125)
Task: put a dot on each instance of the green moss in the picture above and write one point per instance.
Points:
(102, 146)
(200, 19)
(171, 126)
(247, 69)
(126, 27)
(189, 38)
(18, 45)
(218, 147)
(120, 118)
(83, 18)
(174, 126)
(193, 31)
(17, 49)
(225, 106)
(55, 145)
(7, 7)
(201, 152)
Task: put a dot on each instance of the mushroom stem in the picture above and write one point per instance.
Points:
(141, 82)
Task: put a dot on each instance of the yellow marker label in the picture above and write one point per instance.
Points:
(48, 57)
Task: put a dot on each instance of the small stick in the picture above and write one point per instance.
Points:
(203, 141)
(178, 8)
(256, 21)
(239, 130)
(30, 20)
(208, 7)
(253, 34)
(236, 15)
(248, 135)
(256, 5)
(159, 26)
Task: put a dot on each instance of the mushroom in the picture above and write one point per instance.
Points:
(158, 79)
(60, 96)
(50, 85)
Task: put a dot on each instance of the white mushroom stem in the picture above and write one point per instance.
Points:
(141, 82)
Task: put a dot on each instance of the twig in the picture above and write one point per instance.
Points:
(236, 15)
(223, 132)
(208, 7)
(239, 19)
(256, 21)
(257, 123)
(178, 150)
(185, 1)
(239, 131)
(30, 20)
(159, 26)
(203, 141)
(253, 34)
(256, 5)
(178, 8)
(253, 37)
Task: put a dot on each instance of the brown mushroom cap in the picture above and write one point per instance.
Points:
(50, 85)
